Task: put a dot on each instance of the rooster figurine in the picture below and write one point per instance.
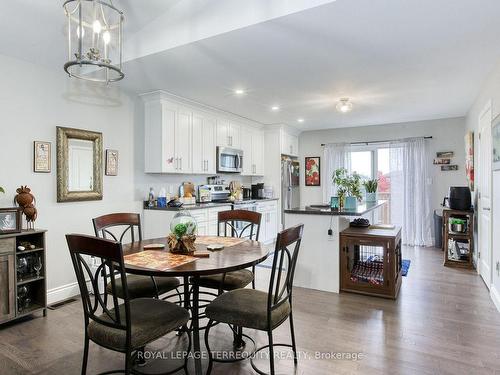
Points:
(26, 200)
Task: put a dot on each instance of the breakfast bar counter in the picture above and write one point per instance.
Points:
(318, 266)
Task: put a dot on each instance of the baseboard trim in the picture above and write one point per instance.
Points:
(495, 297)
(62, 292)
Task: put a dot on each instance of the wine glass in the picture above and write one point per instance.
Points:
(22, 265)
(38, 266)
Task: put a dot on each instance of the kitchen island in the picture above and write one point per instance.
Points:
(319, 257)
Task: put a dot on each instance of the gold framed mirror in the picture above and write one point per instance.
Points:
(79, 165)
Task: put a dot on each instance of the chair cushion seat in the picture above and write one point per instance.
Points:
(142, 286)
(233, 280)
(150, 319)
(246, 308)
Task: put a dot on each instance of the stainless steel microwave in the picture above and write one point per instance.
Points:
(229, 160)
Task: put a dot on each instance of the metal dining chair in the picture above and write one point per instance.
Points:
(128, 327)
(236, 223)
(250, 308)
(138, 285)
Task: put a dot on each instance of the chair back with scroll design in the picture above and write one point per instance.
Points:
(283, 269)
(93, 303)
(130, 221)
(250, 221)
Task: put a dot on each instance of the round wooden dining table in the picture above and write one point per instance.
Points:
(237, 254)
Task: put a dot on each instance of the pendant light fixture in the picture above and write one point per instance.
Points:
(95, 35)
(344, 105)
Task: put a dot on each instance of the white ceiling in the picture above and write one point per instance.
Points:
(399, 60)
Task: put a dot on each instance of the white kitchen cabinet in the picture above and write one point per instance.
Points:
(269, 220)
(159, 136)
(252, 144)
(183, 141)
(258, 153)
(228, 133)
(289, 144)
(246, 147)
(203, 144)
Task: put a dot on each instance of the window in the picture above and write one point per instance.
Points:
(370, 162)
(362, 164)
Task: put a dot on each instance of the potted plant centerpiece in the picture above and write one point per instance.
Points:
(371, 187)
(348, 188)
(183, 233)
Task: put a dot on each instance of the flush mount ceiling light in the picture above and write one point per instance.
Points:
(301, 120)
(95, 29)
(344, 105)
(275, 108)
(239, 92)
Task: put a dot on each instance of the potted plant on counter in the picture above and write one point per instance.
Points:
(371, 187)
(2, 190)
(348, 188)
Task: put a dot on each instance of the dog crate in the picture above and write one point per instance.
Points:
(371, 261)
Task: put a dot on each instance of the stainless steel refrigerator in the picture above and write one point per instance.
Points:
(290, 185)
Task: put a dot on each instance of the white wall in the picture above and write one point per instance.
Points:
(489, 91)
(448, 135)
(33, 101)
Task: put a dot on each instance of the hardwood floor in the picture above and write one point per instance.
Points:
(442, 323)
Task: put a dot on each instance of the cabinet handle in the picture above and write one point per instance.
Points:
(203, 165)
(176, 163)
(181, 164)
(228, 140)
(206, 163)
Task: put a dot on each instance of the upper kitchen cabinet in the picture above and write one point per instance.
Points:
(204, 144)
(167, 136)
(159, 136)
(228, 134)
(289, 143)
(252, 144)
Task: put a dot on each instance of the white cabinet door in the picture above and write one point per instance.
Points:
(159, 140)
(235, 135)
(199, 163)
(183, 142)
(223, 139)
(294, 142)
(272, 225)
(203, 229)
(246, 146)
(209, 145)
(258, 153)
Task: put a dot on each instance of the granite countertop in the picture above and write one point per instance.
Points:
(362, 209)
(199, 206)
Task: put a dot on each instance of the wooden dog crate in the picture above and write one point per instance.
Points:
(370, 261)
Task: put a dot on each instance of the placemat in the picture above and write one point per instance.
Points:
(226, 241)
(157, 260)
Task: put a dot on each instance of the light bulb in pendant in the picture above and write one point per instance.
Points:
(80, 34)
(106, 37)
(97, 26)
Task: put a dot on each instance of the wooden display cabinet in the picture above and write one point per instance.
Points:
(370, 261)
(22, 291)
(458, 241)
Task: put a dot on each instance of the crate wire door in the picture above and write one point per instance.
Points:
(366, 263)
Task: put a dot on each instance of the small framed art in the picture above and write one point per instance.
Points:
(313, 171)
(41, 157)
(111, 163)
(10, 220)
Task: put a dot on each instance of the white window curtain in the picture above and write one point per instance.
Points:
(335, 155)
(410, 191)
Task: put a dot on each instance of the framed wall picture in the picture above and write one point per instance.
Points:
(42, 157)
(495, 143)
(313, 171)
(469, 159)
(449, 168)
(111, 163)
(10, 220)
(445, 154)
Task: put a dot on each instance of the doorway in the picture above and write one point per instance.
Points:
(484, 254)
